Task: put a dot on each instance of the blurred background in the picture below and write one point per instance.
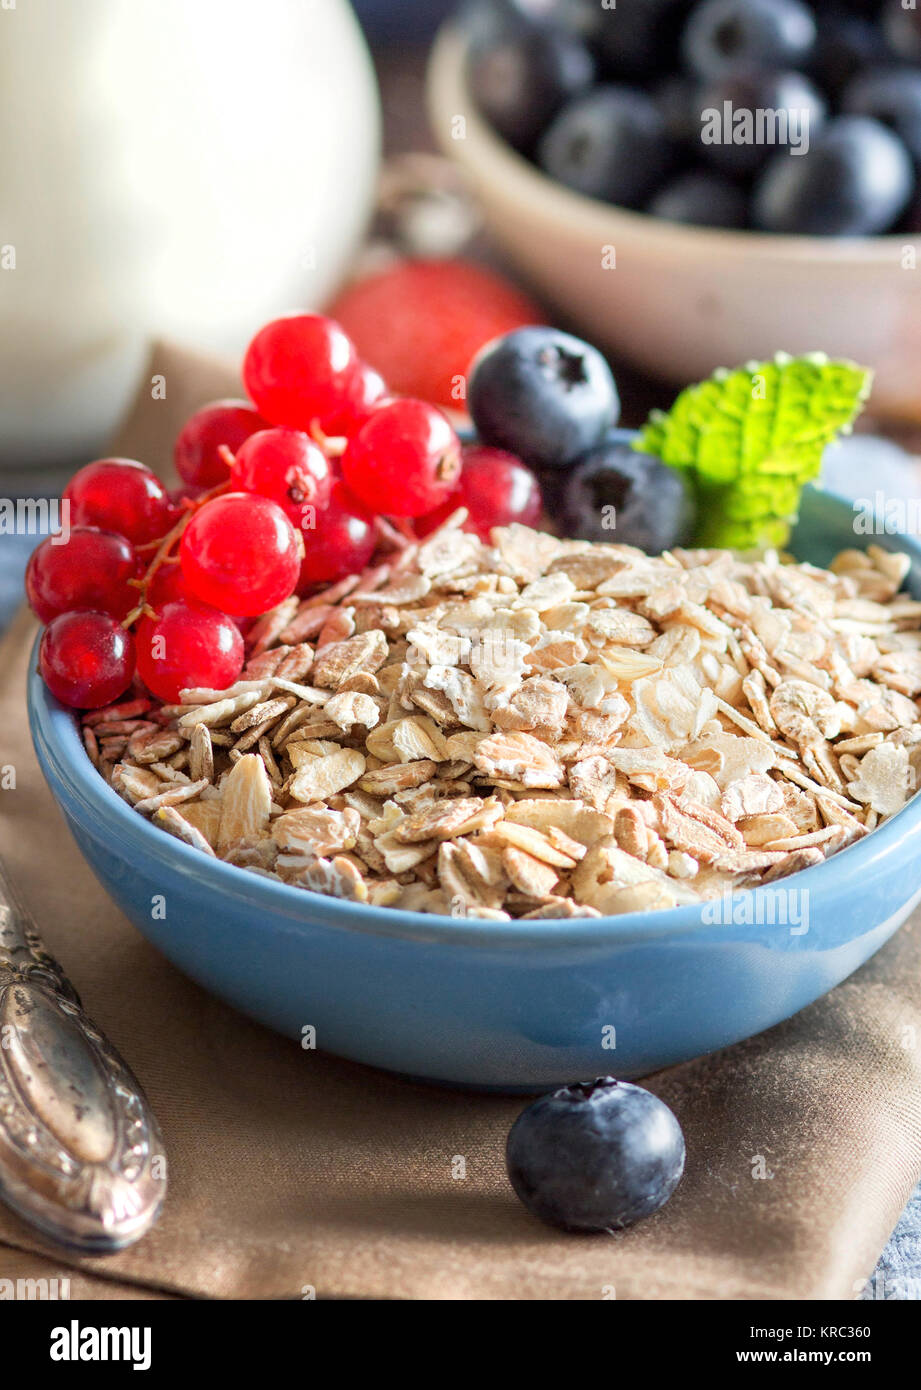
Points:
(186, 170)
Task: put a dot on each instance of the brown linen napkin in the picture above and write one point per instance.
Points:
(292, 1171)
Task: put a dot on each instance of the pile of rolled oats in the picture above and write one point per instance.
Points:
(544, 728)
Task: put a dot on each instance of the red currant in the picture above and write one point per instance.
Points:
(120, 495)
(188, 646)
(423, 526)
(86, 659)
(299, 369)
(240, 553)
(90, 570)
(496, 488)
(167, 585)
(405, 460)
(287, 466)
(342, 542)
(366, 391)
(222, 422)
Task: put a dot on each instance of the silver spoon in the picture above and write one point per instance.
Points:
(81, 1156)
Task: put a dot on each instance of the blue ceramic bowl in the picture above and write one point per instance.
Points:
(509, 1005)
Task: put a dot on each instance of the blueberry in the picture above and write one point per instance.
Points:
(636, 39)
(846, 44)
(735, 132)
(610, 144)
(893, 96)
(723, 36)
(676, 98)
(522, 72)
(902, 29)
(582, 17)
(617, 494)
(856, 180)
(868, 8)
(701, 198)
(543, 395)
(595, 1156)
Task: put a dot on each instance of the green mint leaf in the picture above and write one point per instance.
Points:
(752, 438)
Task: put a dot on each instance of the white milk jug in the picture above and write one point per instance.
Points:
(175, 167)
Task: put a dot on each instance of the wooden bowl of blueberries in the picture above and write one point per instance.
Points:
(694, 182)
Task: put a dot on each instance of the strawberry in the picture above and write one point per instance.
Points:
(421, 322)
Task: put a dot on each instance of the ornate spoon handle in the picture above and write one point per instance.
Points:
(81, 1156)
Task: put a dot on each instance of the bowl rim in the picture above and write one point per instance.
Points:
(75, 782)
(489, 159)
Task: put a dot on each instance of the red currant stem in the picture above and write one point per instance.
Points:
(164, 554)
(395, 534)
(165, 560)
(446, 469)
(333, 445)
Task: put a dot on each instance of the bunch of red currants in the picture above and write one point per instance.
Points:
(280, 496)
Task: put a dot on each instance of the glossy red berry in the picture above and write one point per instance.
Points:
(497, 490)
(367, 390)
(196, 455)
(90, 570)
(299, 369)
(405, 460)
(342, 542)
(167, 585)
(287, 466)
(86, 659)
(190, 645)
(240, 554)
(120, 495)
